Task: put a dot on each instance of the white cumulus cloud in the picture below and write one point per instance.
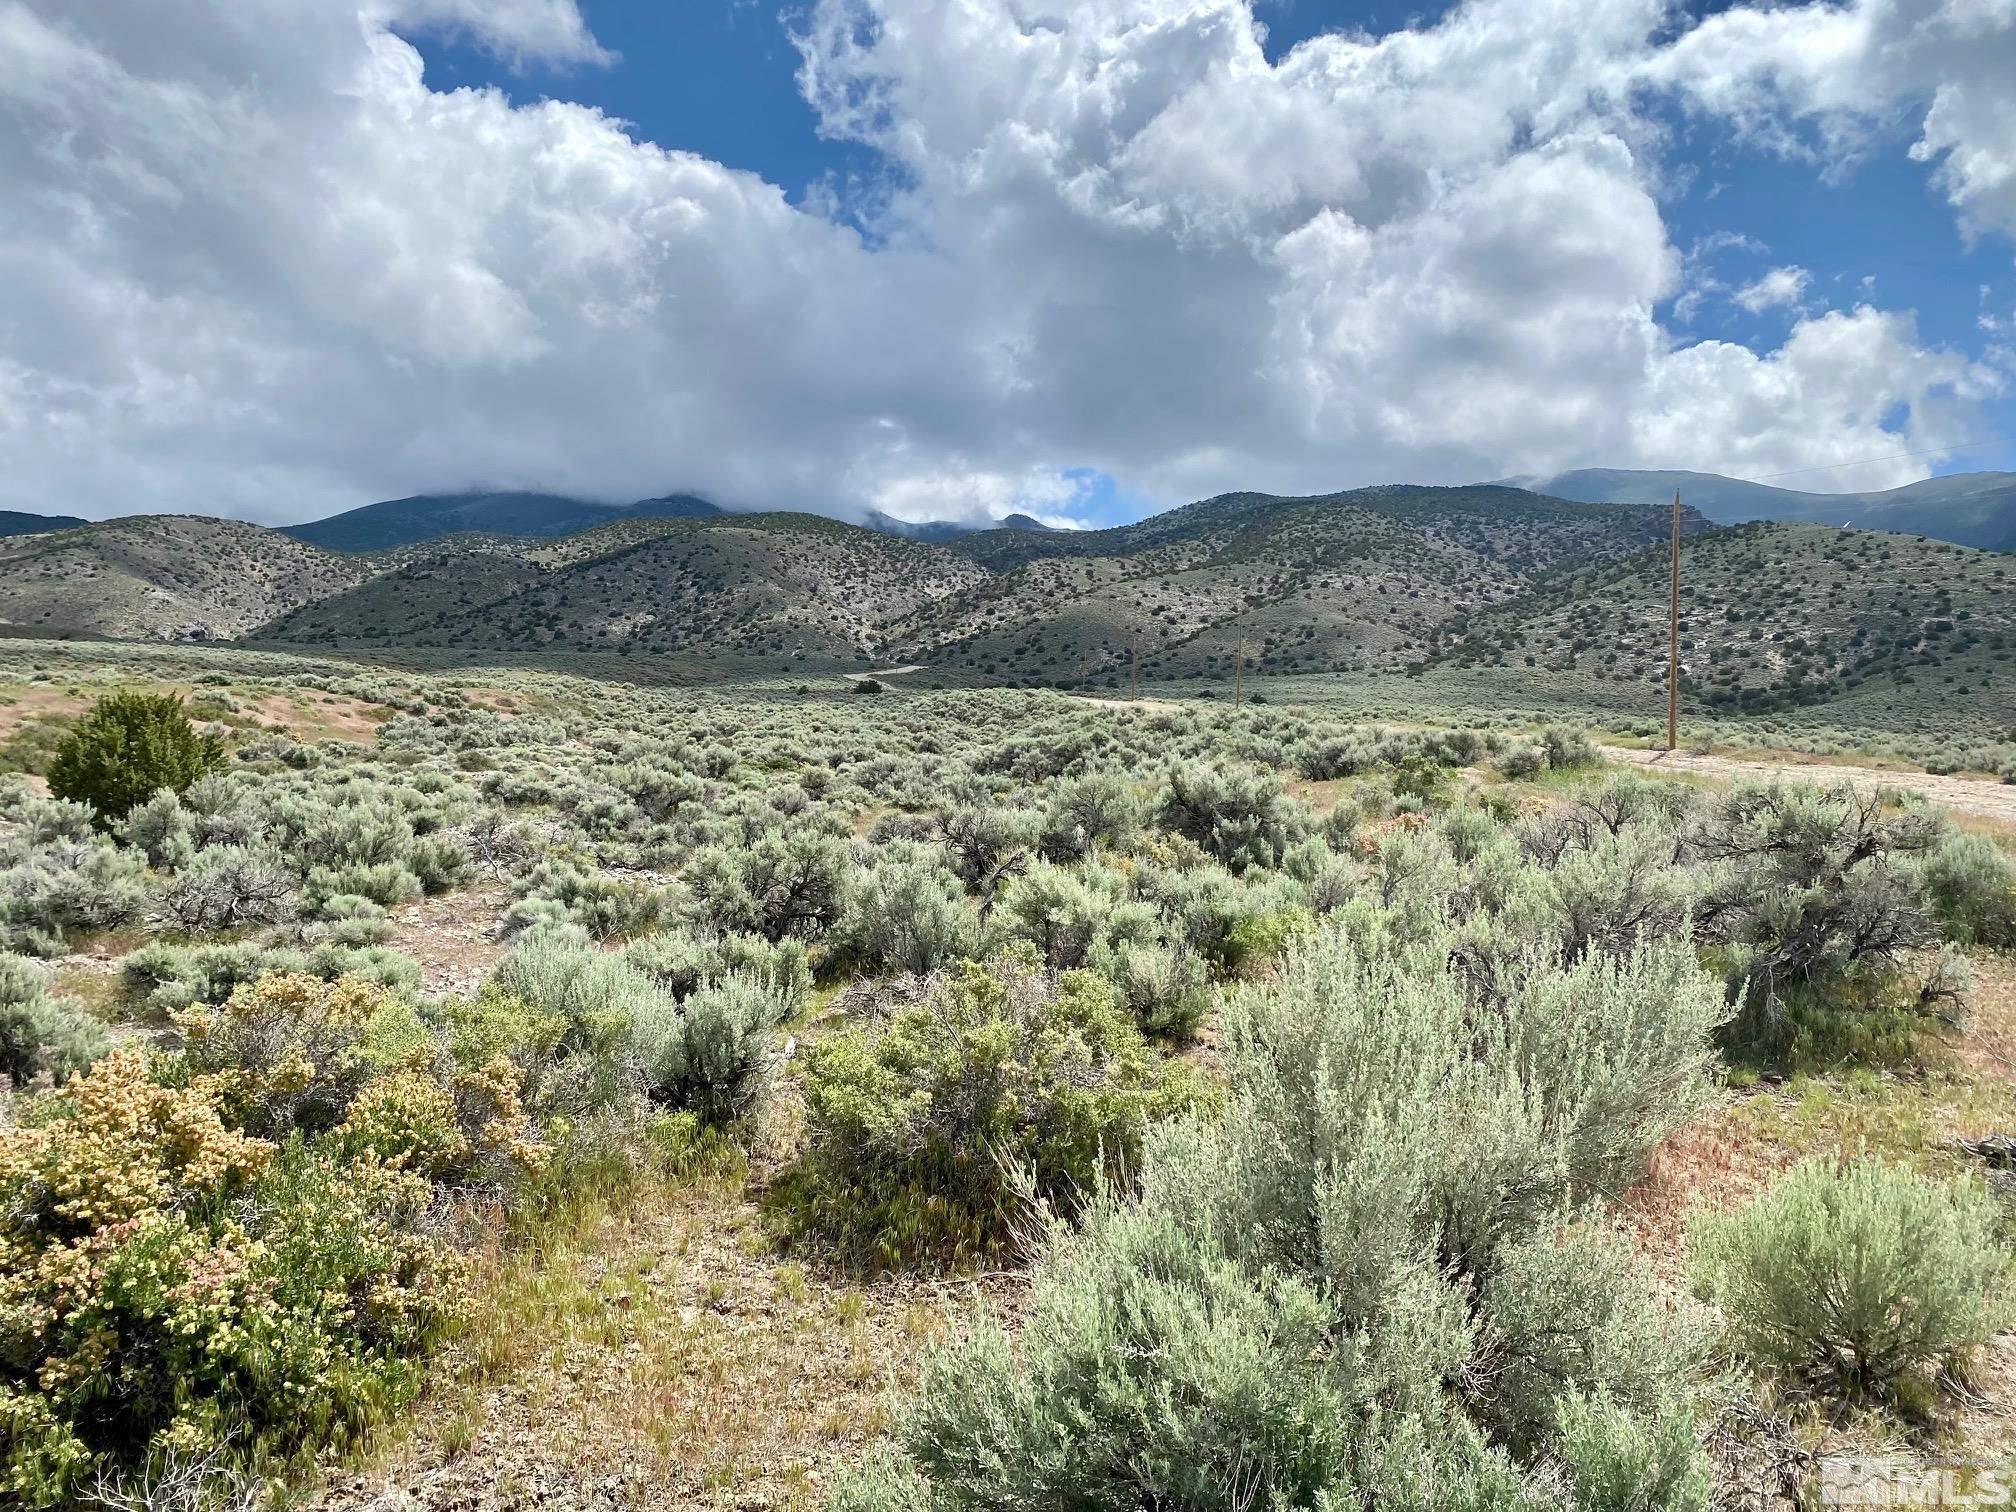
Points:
(251, 262)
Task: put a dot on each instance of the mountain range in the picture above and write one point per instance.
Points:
(428, 517)
(1491, 580)
(1969, 509)
(1373, 577)
(15, 522)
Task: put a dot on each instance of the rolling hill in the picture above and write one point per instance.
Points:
(15, 522)
(1341, 581)
(430, 517)
(427, 517)
(155, 577)
(779, 586)
(1492, 578)
(1332, 582)
(1968, 509)
(1773, 616)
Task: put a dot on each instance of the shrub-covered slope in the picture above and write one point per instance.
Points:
(1774, 616)
(154, 577)
(773, 586)
(1341, 581)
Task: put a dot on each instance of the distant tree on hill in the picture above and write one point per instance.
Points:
(126, 749)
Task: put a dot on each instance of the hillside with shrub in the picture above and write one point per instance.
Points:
(1774, 617)
(780, 587)
(1339, 582)
(1524, 591)
(161, 577)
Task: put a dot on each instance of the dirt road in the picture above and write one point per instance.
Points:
(1965, 795)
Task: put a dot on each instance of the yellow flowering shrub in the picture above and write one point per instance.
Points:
(120, 1146)
(231, 1245)
(294, 1051)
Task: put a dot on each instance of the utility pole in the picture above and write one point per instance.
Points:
(1239, 657)
(1134, 666)
(1673, 642)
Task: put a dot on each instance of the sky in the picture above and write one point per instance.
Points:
(956, 258)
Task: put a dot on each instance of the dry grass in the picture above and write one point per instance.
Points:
(661, 1355)
(307, 716)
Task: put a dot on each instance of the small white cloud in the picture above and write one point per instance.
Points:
(1784, 286)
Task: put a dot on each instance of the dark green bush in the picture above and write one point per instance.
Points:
(126, 748)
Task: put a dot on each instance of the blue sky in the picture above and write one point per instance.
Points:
(720, 79)
(1089, 258)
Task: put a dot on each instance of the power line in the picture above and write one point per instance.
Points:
(1959, 446)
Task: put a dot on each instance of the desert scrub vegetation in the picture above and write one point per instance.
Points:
(247, 1245)
(931, 1137)
(1294, 1060)
(1864, 1284)
(1370, 1280)
(40, 1033)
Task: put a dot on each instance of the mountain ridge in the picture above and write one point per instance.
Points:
(1385, 579)
(1968, 509)
(15, 522)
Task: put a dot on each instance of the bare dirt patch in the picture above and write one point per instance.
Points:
(320, 716)
(309, 715)
(1968, 795)
(885, 672)
(453, 937)
(24, 705)
(1988, 1047)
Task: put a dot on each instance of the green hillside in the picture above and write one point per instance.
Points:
(780, 586)
(1345, 581)
(1773, 616)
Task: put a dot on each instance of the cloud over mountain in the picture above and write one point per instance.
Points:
(251, 262)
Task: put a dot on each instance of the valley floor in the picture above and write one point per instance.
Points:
(673, 1349)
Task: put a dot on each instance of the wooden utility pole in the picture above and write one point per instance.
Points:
(1239, 658)
(1673, 642)
(1134, 666)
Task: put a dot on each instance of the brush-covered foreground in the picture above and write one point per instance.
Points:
(520, 1089)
